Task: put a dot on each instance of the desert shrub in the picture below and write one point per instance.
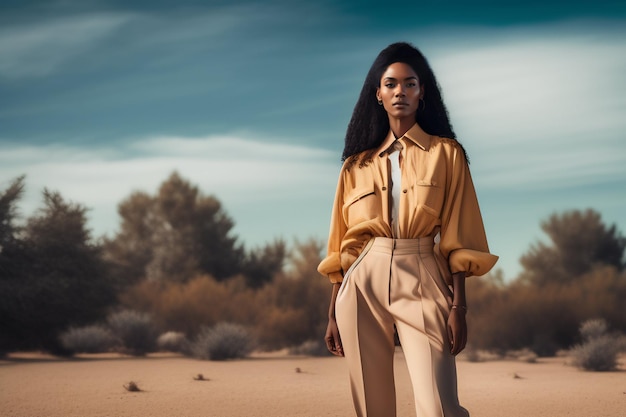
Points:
(185, 307)
(295, 305)
(223, 341)
(599, 350)
(524, 355)
(88, 339)
(311, 348)
(135, 330)
(290, 310)
(593, 329)
(518, 315)
(173, 342)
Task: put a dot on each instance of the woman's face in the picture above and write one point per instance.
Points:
(400, 91)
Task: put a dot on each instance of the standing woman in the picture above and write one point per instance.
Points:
(405, 181)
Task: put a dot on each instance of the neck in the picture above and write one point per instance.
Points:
(400, 126)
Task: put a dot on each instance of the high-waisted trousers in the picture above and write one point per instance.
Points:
(396, 282)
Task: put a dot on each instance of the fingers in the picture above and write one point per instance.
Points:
(457, 333)
(458, 342)
(450, 337)
(336, 344)
(333, 340)
(334, 347)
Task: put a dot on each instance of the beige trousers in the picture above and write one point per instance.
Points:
(397, 282)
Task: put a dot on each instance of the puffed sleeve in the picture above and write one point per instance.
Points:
(331, 265)
(463, 240)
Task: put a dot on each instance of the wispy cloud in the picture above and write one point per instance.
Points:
(539, 107)
(242, 173)
(38, 49)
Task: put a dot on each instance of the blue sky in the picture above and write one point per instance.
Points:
(249, 100)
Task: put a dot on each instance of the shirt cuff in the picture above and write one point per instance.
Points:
(335, 277)
(473, 262)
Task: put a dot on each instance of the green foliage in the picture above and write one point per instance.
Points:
(223, 341)
(51, 274)
(599, 350)
(173, 236)
(88, 339)
(135, 330)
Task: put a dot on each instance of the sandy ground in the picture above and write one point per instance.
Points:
(276, 385)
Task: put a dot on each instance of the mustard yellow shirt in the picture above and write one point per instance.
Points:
(437, 195)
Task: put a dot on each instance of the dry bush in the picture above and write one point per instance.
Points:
(186, 307)
(132, 386)
(599, 350)
(521, 315)
(279, 328)
(223, 341)
(295, 304)
(315, 347)
(88, 339)
(135, 330)
(173, 342)
(593, 329)
(288, 311)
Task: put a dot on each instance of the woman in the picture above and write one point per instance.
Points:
(404, 182)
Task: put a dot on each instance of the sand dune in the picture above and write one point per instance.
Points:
(276, 385)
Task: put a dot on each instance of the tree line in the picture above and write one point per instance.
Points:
(176, 258)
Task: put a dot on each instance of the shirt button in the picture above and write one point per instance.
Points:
(384, 188)
(404, 191)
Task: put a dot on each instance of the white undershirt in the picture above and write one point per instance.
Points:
(396, 182)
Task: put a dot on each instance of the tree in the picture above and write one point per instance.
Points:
(579, 242)
(173, 236)
(9, 230)
(55, 277)
(262, 265)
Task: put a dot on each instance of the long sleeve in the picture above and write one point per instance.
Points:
(463, 240)
(331, 265)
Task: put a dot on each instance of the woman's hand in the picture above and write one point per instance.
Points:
(333, 341)
(457, 330)
(457, 326)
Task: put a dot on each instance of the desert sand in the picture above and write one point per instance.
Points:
(278, 384)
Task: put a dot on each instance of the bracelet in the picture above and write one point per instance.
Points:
(456, 306)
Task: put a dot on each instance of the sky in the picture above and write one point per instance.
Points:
(249, 100)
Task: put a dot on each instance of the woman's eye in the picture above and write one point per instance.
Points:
(389, 85)
(410, 85)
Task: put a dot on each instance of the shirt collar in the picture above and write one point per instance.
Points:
(416, 135)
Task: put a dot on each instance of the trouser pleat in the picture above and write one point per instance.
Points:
(397, 284)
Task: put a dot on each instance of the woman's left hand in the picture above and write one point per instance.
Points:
(457, 330)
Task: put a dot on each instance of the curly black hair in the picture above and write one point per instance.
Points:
(369, 124)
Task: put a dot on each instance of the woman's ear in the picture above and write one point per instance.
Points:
(378, 98)
(421, 91)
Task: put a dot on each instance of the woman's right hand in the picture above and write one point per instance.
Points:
(333, 341)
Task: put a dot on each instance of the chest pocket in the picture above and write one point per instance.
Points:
(429, 195)
(361, 204)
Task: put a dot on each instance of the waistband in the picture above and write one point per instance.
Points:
(403, 246)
